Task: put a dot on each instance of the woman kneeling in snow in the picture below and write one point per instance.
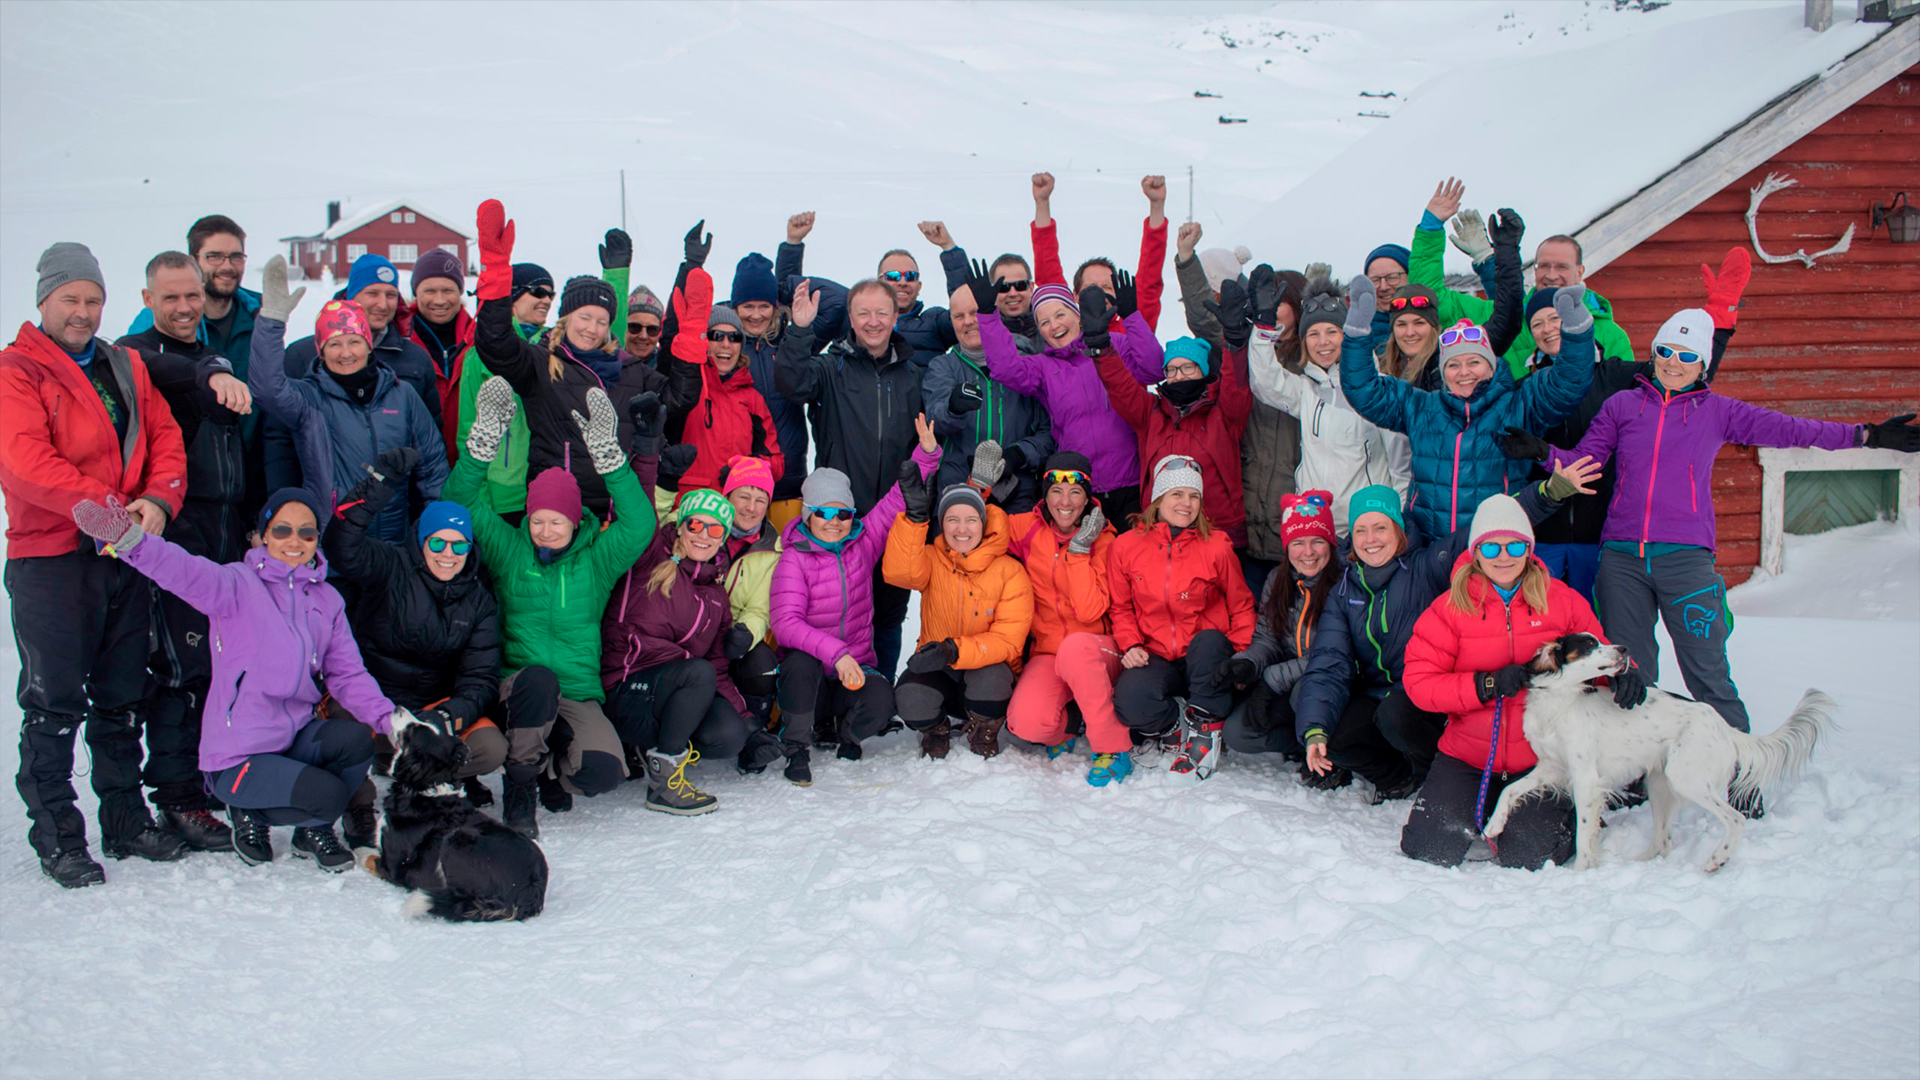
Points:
(277, 626)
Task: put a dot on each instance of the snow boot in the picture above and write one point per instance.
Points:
(763, 748)
(252, 836)
(72, 868)
(1333, 779)
(150, 841)
(516, 802)
(1110, 769)
(826, 732)
(199, 828)
(1394, 790)
(1061, 749)
(557, 799)
(983, 734)
(1200, 748)
(799, 768)
(360, 825)
(317, 842)
(668, 789)
(937, 740)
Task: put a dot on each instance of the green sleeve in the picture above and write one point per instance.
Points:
(1520, 351)
(632, 529)
(616, 279)
(1612, 341)
(1427, 266)
(472, 374)
(467, 486)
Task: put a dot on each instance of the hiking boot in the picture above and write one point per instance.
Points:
(477, 792)
(149, 842)
(318, 843)
(826, 732)
(937, 740)
(360, 825)
(1200, 751)
(1333, 779)
(668, 789)
(1394, 790)
(983, 734)
(516, 806)
(1059, 749)
(556, 799)
(72, 868)
(199, 828)
(799, 768)
(762, 749)
(252, 836)
(1109, 769)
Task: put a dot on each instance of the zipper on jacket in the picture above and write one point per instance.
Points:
(1453, 514)
(1653, 472)
(1379, 651)
(1504, 728)
(1693, 490)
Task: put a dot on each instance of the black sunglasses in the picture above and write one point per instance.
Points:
(1011, 285)
(281, 532)
(541, 292)
(635, 329)
(734, 336)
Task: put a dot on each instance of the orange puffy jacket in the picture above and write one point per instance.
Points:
(1070, 594)
(58, 446)
(1449, 646)
(982, 600)
(1166, 589)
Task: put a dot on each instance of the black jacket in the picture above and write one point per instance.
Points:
(213, 519)
(397, 352)
(422, 639)
(862, 408)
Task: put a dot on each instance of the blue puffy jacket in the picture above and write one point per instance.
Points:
(1456, 463)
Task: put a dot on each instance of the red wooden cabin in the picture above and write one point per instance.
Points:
(399, 230)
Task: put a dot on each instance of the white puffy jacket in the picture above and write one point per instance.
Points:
(1339, 450)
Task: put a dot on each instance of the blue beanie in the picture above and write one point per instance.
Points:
(286, 495)
(370, 269)
(753, 281)
(441, 514)
(1190, 348)
(1387, 251)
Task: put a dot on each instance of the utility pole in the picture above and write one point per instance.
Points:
(1189, 193)
(623, 200)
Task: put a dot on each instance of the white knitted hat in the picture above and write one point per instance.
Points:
(1175, 471)
(1691, 330)
(1498, 516)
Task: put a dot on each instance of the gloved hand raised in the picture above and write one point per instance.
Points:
(985, 293)
(696, 249)
(494, 234)
(275, 302)
(989, 465)
(1361, 305)
(1470, 236)
(1725, 288)
(915, 493)
(1096, 312)
(675, 460)
(1571, 303)
(1268, 290)
(617, 252)
(1507, 229)
(600, 430)
(1089, 531)
(1234, 311)
(493, 408)
(1126, 296)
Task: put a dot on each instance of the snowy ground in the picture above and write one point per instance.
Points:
(903, 918)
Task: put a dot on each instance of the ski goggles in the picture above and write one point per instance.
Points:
(1068, 476)
(695, 527)
(1668, 352)
(734, 336)
(1013, 285)
(1463, 333)
(832, 513)
(281, 532)
(438, 544)
(902, 275)
(1400, 302)
(1491, 549)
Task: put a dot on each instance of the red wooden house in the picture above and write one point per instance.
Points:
(399, 230)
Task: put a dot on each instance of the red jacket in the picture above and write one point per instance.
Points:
(1070, 594)
(57, 444)
(1149, 281)
(729, 416)
(1449, 646)
(1209, 432)
(449, 380)
(1167, 589)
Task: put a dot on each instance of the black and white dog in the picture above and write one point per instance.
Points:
(1589, 748)
(461, 864)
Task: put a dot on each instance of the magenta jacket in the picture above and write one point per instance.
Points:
(822, 598)
(1662, 446)
(1067, 384)
(275, 628)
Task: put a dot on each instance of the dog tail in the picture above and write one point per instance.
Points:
(1765, 759)
(456, 905)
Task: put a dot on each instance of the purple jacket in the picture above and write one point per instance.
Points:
(1663, 446)
(275, 628)
(823, 600)
(643, 630)
(1066, 382)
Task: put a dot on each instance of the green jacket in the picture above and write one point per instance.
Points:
(1429, 250)
(550, 612)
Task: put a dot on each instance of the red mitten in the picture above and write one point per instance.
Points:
(692, 307)
(1725, 287)
(496, 251)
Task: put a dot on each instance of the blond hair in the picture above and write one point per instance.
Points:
(1149, 516)
(1403, 367)
(555, 365)
(1533, 586)
(660, 582)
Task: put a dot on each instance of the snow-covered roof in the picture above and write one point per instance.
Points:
(1633, 110)
(346, 225)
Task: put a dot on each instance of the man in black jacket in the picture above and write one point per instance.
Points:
(207, 401)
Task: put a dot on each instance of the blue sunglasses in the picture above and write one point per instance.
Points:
(1490, 549)
(1668, 352)
(831, 513)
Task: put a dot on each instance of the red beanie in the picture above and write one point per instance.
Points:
(554, 489)
(1308, 513)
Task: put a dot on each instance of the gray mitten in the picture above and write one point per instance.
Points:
(1470, 236)
(987, 466)
(1318, 272)
(275, 302)
(110, 524)
(1571, 302)
(601, 430)
(1089, 531)
(1361, 305)
(493, 409)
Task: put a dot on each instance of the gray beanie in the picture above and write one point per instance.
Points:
(65, 262)
(724, 316)
(643, 299)
(826, 487)
(961, 493)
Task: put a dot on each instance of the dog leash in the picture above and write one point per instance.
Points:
(1486, 774)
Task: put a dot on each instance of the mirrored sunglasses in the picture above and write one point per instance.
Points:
(281, 532)
(832, 513)
(438, 544)
(902, 275)
(1462, 333)
(1068, 476)
(695, 527)
(1411, 302)
(1490, 549)
(1668, 352)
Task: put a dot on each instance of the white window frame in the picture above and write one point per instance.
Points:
(1776, 463)
(394, 217)
(354, 251)
(403, 253)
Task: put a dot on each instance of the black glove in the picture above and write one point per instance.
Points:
(393, 465)
(1522, 445)
(914, 490)
(739, 641)
(649, 424)
(617, 251)
(1629, 689)
(1897, 433)
(1503, 683)
(1234, 312)
(965, 398)
(1125, 297)
(1506, 228)
(1096, 311)
(674, 462)
(1014, 457)
(981, 286)
(933, 656)
(1233, 671)
(696, 248)
(1267, 291)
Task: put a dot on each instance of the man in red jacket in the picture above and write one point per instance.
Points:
(80, 419)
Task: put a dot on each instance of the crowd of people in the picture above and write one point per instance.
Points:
(601, 534)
